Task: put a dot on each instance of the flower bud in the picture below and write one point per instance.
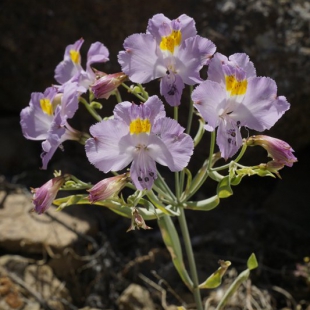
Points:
(278, 150)
(107, 84)
(107, 188)
(43, 196)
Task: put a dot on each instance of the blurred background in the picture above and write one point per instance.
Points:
(270, 217)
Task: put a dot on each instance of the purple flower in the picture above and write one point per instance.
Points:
(70, 68)
(107, 188)
(46, 119)
(170, 50)
(43, 196)
(140, 135)
(233, 97)
(280, 151)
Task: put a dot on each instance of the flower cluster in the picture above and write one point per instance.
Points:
(47, 116)
(233, 96)
(170, 50)
(141, 135)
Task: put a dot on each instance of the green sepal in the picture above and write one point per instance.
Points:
(172, 242)
(216, 278)
(202, 205)
(223, 188)
(252, 262)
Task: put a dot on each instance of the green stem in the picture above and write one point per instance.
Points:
(212, 143)
(188, 129)
(176, 113)
(176, 174)
(163, 194)
(177, 185)
(244, 147)
(90, 109)
(191, 259)
(144, 93)
(165, 186)
(118, 96)
(130, 91)
(190, 113)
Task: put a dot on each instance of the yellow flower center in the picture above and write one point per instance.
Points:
(235, 87)
(46, 106)
(75, 56)
(140, 126)
(170, 42)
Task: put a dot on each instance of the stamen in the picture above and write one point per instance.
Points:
(171, 41)
(140, 126)
(75, 56)
(46, 106)
(234, 86)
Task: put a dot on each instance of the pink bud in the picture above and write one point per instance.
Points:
(43, 196)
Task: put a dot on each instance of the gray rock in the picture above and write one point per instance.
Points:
(25, 231)
(135, 297)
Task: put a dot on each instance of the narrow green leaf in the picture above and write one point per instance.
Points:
(203, 205)
(233, 288)
(216, 278)
(172, 242)
(252, 262)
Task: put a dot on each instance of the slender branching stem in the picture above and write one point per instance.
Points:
(90, 109)
(191, 259)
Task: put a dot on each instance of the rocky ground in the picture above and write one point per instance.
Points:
(82, 258)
